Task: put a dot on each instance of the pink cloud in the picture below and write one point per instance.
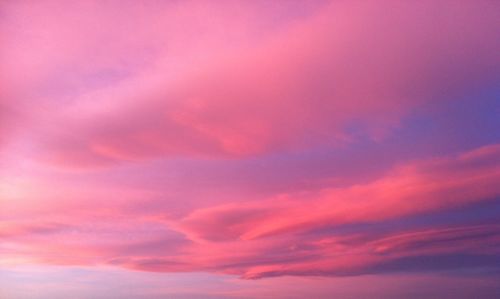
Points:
(274, 236)
(338, 259)
(409, 189)
(300, 85)
(254, 139)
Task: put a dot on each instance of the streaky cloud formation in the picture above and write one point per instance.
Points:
(249, 149)
(413, 188)
(278, 236)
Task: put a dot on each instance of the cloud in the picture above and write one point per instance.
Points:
(440, 249)
(409, 189)
(227, 95)
(367, 64)
(281, 225)
(472, 248)
(299, 233)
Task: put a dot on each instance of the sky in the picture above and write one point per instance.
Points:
(249, 149)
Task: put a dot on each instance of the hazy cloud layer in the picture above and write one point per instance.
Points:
(252, 138)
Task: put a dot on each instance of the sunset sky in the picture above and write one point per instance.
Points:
(221, 149)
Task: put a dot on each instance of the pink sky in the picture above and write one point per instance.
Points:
(249, 149)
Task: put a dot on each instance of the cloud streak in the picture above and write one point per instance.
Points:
(409, 189)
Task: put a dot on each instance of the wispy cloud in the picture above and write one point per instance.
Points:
(251, 138)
